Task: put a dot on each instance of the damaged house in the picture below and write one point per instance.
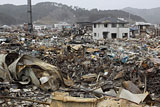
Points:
(144, 28)
(110, 28)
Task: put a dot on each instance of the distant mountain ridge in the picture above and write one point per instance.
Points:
(51, 12)
(150, 15)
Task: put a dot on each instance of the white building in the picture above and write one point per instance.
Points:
(110, 28)
(62, 25)
(41, 27)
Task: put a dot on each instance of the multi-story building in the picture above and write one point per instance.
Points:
(110, 28)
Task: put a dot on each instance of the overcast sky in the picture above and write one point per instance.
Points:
(100, 4)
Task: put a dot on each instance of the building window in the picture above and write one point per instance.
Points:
(114, 35)
(95, 34)
(125, 35)
(114, 25)
(105, 35)
(94, 25)
(121, 25)
(105, 25)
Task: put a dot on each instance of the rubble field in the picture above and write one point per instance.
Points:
(121, 69)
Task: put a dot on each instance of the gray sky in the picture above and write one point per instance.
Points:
(100, 4)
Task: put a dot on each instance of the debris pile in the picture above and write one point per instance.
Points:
(120, 68)
(20, 96)
(26, 69)
(30, 79)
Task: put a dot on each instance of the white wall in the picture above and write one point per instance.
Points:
(39, 27)
(100, 29)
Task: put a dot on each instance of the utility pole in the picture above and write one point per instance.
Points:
(29, 12)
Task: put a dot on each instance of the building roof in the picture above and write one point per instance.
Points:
(87, 22)
(110, 20)
(143, 23)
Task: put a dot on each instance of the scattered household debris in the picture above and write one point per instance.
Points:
(115, 72)
(26, 69)
(64, 100)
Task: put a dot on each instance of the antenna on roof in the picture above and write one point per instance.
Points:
(29, 11)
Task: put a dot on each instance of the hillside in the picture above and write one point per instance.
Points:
(150, 15)
(5, 19)
(50, 12)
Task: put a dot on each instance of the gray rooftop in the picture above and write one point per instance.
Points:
(110, 20)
